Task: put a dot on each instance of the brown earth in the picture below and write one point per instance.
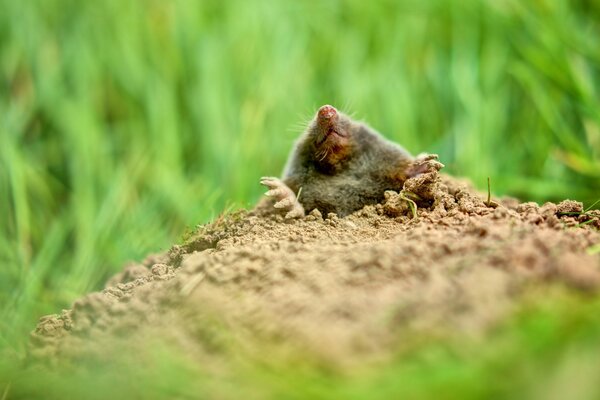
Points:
(340, 289)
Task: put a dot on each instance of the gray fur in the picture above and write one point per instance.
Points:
(372, 166)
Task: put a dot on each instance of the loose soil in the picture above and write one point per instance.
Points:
(338, 289)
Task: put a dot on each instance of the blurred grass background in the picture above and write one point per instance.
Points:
(125, 122)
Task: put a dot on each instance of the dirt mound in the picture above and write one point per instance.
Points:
(436, 256)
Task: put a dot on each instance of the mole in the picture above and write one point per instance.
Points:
(339, 165)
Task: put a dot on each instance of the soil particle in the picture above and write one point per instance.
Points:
(341, 288)
(569, 206)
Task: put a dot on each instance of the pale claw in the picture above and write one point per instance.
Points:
(286, 198)
(285, 203)
(425, 163)
(275, 192)
(426, 157)
(295, 213)
(270, 182)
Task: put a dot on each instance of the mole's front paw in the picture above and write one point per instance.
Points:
(424, 163)
(286, 198)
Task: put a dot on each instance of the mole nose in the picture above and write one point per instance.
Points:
(327, 112)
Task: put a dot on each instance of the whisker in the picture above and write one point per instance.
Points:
(325, 155)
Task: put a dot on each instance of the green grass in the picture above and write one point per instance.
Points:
(547, 349)
(124, 122)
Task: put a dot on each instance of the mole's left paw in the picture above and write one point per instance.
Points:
(424, 163)
(286, 198)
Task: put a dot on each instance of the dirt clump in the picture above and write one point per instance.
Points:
(432, 257)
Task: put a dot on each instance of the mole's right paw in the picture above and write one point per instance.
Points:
(286, 198)
(424, 163)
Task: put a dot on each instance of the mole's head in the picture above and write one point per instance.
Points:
(331, 136)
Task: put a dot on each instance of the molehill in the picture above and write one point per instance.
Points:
(433, 257)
